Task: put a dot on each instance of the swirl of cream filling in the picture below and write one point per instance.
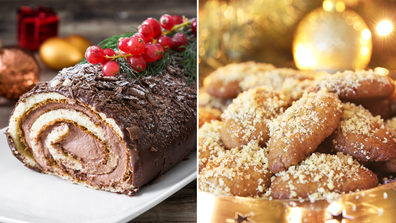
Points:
(63, 157)
(72, 141)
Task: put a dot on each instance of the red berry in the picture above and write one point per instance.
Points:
(122, 44)
(146, 30)
(108, 52)
(110, 68)
(166, 21)
(194, 25)
(136, 45)
(137, 62)
(177, 19)
(160, 50)
(94, 54)
(150, 53)
(165, 41)
(150, 40)
(140, 36)
(179, 42)
(156, 27)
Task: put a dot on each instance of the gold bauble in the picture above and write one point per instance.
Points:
(235, 31)
(58, 53)
(331, 38)
(79, 41)
(19, 71)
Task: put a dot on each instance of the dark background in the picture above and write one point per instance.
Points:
(98, 20)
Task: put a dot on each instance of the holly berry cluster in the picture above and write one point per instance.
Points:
(147, 45)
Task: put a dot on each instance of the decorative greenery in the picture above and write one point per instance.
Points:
(186, 58)
(189, 61)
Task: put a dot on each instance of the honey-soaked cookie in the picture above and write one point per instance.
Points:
(297, 133)
(290, 82)
(320, 175)
(390, 165)
(326, 148)
(206, 100)
(295, 88)
(391, 124)
(392, 101)
(274, 78)
(363, 136)
(247, 117)
(238, 173)
(359, 86)
(224, 82)
(208, 114)
(385, 166)
(382, 108)
(210, 145)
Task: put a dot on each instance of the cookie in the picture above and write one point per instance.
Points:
(363, 136)
(210, 145)
(238, 173)
(207, 115)
(320, 175)
(224, 82)
(297, 133)
(359, 86)
(247, 117)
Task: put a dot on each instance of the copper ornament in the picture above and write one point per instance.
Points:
(19, 71)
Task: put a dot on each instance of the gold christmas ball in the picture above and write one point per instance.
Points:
(331, 38)
(19, 71)
(79, 41)
(58, 53)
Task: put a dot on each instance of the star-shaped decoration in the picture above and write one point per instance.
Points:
(241, 218)
(339, 216)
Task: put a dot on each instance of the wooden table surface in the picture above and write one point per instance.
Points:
(97, 20)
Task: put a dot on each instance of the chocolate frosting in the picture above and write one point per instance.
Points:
(134, 132)
(156, 114)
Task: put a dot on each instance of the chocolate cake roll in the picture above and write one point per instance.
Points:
(109, 133)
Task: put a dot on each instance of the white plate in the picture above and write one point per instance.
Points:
(28, 196)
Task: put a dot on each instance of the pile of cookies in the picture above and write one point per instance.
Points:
(283, 133)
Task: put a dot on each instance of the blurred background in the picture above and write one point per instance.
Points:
(72, 25)
(95, 19)
(330, 35)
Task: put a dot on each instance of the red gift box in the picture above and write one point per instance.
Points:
(35, 25)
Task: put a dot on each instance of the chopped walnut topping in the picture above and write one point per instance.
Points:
(391, 123)
(328, 172)
(348, 81)
(238, 173)
(357, 119)
(238, 71)
(208, 101)
(274, 78)
(253, 108)
(300, 116)
(210, 145)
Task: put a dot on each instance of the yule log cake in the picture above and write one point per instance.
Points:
(114, 133)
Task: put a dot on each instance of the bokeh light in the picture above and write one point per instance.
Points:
(384, 28)
(381, 71)
(340, 6)
(366, 34)
(327, 5)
